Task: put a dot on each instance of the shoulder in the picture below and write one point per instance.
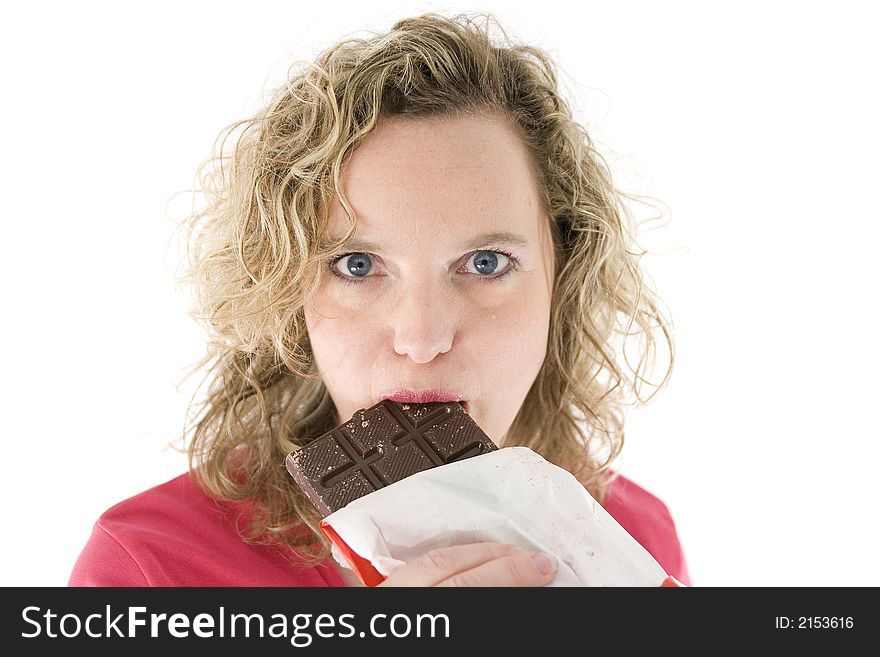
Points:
(130, 536)
(177, 501)
(175, 534)
(647, 518)
(174, 508)
(628, 498)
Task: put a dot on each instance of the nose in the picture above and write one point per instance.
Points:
(424, 323)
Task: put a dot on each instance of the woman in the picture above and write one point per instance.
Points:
(414, 216)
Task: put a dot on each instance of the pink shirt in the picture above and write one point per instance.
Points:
(175, 535)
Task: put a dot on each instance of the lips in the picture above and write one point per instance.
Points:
(425, 396)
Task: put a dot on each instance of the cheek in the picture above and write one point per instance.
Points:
(341, 335)
(515, 333)
(510, 347)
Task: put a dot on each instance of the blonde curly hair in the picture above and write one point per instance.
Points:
(254, 258)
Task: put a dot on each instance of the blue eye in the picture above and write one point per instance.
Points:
(486, 262)
(359, 264)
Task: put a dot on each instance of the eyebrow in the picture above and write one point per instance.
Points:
(484, 240)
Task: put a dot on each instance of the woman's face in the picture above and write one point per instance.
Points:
(426, 297)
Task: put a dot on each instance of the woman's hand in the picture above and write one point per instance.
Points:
(476, 564)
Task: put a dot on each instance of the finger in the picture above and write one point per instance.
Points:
(444, 563)
(519, 569)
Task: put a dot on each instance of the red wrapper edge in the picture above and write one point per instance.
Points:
(365, 571)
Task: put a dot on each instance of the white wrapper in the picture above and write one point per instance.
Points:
(511, 495)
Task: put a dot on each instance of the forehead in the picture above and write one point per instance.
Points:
(453, 177)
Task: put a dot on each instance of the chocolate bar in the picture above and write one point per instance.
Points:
(381, 445)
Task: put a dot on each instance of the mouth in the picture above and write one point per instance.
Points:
(425, 396)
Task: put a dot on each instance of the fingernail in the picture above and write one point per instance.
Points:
(545, 563)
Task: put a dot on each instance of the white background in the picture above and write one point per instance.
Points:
(754, 123)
